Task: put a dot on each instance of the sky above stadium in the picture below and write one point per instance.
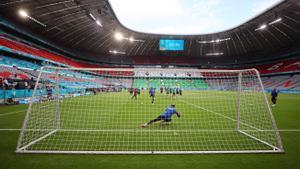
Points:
(187, 16)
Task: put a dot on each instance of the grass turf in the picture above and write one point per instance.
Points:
(286, 113)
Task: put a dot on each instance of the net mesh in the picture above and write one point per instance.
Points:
(101, 111)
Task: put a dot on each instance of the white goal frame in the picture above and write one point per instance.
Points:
(274, 148)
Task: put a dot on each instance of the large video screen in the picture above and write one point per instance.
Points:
(171, 44)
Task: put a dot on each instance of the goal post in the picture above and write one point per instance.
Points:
(238, 103)
(251, 130)
(100, 111)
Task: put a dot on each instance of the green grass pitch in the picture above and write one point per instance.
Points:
(11, 117)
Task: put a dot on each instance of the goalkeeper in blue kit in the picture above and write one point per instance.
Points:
(165, 117)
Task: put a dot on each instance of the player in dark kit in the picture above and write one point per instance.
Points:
(95, 91)
(49, 92)
(164, 117)
(152, 94)
(174, 92)
(274, 95)
(167, 91)
(135, 93)
(130, 90)
(180, 92)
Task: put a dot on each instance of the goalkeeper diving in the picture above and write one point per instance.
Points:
(165, 117)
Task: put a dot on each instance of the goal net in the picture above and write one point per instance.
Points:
(109, 111)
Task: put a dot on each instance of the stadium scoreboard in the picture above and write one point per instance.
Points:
(171, 44)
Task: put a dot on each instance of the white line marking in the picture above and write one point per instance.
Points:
(149, 129)
(35, 141)
(10, 113)
(10, 129)
(149, 152)
(229, 118)
(260, 140)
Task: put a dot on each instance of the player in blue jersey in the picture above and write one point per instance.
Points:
(274, 95)
(152, 94)
(164, 117)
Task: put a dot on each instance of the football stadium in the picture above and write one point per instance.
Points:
(149, 84)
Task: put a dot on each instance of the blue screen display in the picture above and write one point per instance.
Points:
(171, 44)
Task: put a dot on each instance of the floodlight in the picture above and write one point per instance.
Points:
(275, 21)
(262, 27)
(99, 23)
(131, 39)
(119, 36)
(92, 16)
(23, 13)
(214, 54)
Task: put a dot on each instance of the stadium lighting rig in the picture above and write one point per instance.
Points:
(264, 26)
(117, 52)
(275, 21)
(24, 14)
(214, 41)
(131, 39)
(215, 54)
(119, 37)
(98, 22)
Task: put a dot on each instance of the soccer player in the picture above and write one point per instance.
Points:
(167, 91)
(164, 117)
(170, 92)
(174, 92)
(274, 95)
(130, 90)
(94, 91)
(177, 90)
(180, 91)
(152, 94)
(135, 93)
(49, 92)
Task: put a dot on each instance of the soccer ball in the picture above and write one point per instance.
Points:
(179, 114)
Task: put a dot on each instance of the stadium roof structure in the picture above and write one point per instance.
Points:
(91, 30)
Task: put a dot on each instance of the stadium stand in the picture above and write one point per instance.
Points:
(166, 60)
(12, 73)
(21, 47)
(282, 82)
(21, 72)
(292, 65)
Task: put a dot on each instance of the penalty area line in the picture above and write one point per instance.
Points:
(14, 112)
(219, 114)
